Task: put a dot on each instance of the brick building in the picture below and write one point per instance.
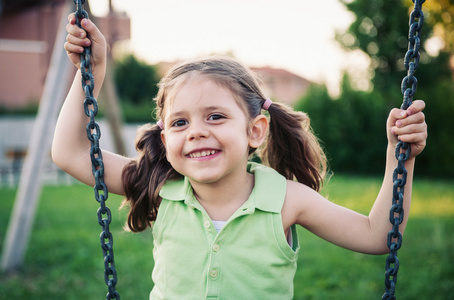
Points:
(279, 84)
(28, 30)
(27, 35)
(282, 85)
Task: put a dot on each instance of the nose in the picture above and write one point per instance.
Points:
(198, 130)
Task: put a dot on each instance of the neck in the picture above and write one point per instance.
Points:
(221, 199)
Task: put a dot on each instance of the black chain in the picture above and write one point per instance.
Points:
(396, 214)
(100, 188)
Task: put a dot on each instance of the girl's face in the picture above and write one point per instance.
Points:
(206, 134)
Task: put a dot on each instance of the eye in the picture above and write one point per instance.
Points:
(179, 123)
(215, 117)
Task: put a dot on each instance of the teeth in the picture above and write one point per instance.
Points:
(202, 153)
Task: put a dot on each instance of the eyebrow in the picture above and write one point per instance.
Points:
(211, 108)
(176, 114)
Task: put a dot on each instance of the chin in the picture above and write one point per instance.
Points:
(203, 180)
(207, 178)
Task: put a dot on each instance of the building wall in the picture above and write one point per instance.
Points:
(278, 84)
(26, 42)
(282, 85)
(27, 35)
(27, 39)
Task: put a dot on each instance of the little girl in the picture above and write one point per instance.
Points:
(223, 227)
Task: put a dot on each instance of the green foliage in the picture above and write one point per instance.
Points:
(136, 83)
(30, 109)
(138, 113)
(352, 127)
(64, 257)
(438, 157)
(381, 31)
(441, 16)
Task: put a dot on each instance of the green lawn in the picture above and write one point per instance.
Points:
(64, 258)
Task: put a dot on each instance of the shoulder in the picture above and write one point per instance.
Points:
(270, 188)
(300, 199)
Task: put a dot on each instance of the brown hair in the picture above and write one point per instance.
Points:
(291, 148)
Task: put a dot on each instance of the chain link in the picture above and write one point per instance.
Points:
(100, 188)
(396, 214)
(394, 240)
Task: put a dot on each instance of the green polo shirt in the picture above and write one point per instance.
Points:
(249, 258)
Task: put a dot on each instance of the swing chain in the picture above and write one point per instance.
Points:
(396, 214)
(414, 44)
(100, 188)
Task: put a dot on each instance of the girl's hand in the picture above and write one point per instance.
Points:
(79, 38)
(408, 126)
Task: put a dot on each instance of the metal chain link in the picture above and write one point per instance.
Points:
(396, 214)
(100, 188)
(399, 176)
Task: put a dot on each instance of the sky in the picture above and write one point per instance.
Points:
(296, 35)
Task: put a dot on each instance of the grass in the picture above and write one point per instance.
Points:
(426, 257)
(64, 258)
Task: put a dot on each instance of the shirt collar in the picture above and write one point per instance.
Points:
(268, 193)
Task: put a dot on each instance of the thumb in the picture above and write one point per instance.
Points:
(98, 41)
(91, 29)
(395, 115)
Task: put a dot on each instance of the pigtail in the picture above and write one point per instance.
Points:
(292, 149)
(143, 178)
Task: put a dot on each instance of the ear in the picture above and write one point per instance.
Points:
(257, 131)
(163, 137)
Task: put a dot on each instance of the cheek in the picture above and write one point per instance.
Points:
(238, 137)
(172, 145)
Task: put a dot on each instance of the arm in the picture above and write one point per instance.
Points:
(344, 227)
(71, 147)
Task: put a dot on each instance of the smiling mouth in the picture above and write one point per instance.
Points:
(202, 153)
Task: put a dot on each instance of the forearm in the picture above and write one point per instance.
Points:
(379, 221)
(70, 138)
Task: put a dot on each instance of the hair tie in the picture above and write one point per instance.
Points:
(266, 105)
(159, 123)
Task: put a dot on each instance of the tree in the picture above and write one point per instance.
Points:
(442, 20)
(350, 125)
(350, 128)
(381, 31)
(137, 86)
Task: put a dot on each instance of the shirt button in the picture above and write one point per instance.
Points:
(214, 273)
(207, 224)
(216, 247)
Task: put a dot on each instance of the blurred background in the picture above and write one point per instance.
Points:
(339, 61)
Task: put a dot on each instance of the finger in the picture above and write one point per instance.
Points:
(81, 42)
(414, 138)
(411, 133)
(92, 30)
(416, 106)
(394, 115)
(74, 30)
(95, 34)
(72, 18)
(71, 48)
(411, 119)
